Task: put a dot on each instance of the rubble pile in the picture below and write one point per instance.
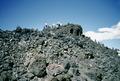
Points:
(60, 53)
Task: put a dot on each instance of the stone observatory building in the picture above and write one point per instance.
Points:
(71, 29)
(68, 29)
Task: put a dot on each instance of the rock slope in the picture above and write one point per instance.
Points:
(60, 53)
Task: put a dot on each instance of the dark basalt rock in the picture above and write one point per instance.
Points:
(18, 29)
(59, 53)
(38, 67)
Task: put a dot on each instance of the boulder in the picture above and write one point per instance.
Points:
(38, 67)
(54, 69)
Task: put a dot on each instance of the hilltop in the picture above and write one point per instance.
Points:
(59, 53)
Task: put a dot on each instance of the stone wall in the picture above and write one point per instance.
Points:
(70, 29)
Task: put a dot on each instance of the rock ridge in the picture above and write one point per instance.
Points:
(61, 53)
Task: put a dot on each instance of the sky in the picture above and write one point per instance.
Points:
(99, 18)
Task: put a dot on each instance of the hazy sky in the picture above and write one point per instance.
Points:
(92, 15)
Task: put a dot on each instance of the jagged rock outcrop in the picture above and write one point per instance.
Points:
(60, 53)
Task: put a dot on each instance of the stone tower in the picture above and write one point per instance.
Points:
(70, 29)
